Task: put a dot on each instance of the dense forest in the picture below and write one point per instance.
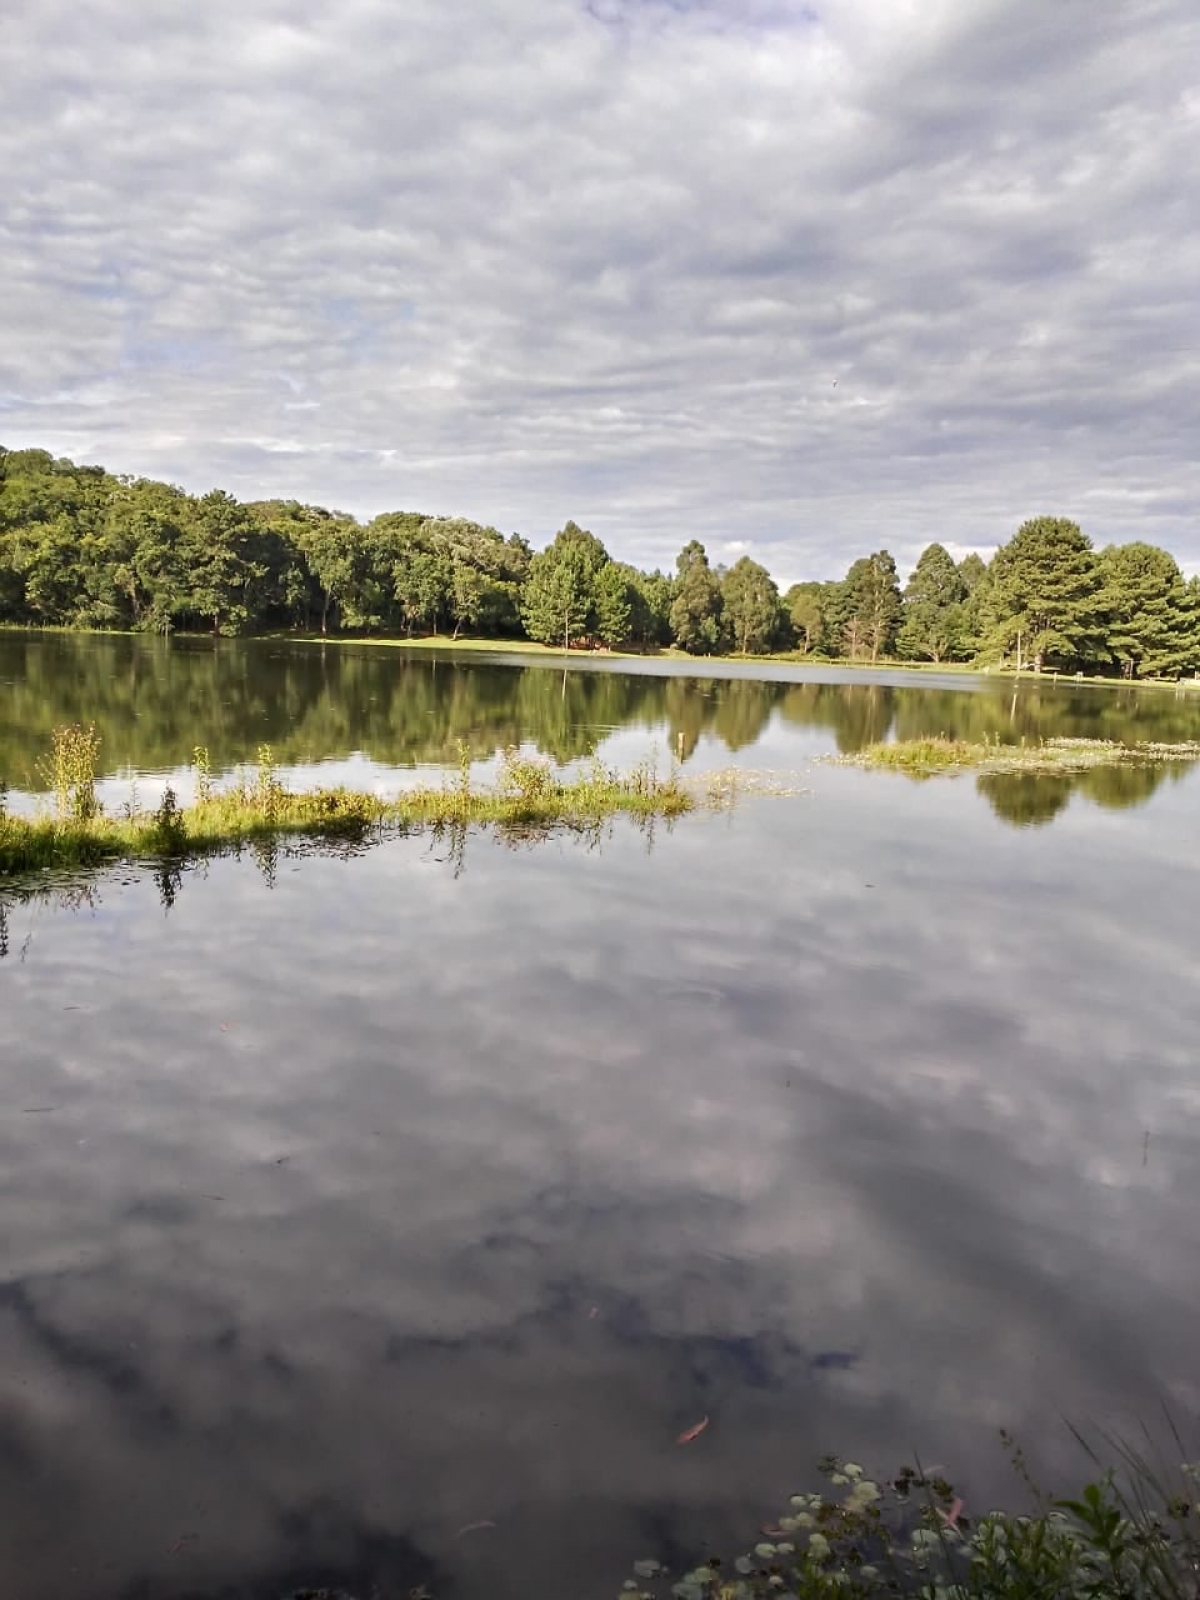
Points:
(80, 547)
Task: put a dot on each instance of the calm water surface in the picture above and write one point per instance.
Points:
(347, 1203)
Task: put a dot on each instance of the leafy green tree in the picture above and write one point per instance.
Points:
(422, 583)
(863, 612)
(804, 603)
(696, 611)
(223, 565)
(752, 607)
(1150, 627)
(932, 625)
(146, 554)
(654, 593)
(1044, 598)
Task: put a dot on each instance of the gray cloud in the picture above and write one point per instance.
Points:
(607, 260)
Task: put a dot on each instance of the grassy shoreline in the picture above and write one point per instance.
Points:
(527, 794)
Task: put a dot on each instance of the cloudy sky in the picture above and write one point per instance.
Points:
(798, 279)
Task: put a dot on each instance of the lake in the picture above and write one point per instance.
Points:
(382, 1219)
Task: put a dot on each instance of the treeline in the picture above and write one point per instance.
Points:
(80, 547)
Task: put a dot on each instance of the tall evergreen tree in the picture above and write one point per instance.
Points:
(696, 612)
(615, 596)
(867, 611)
(559, 599)
(1149, 625)
(932, 625)
(1044, 599)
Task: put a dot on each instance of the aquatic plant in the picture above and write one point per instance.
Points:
(69, 772)
(257, 808)
(1125, 1536)
(923, 757)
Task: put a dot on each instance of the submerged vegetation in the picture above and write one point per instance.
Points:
(1132, 1534)
(922, 758)
(258, 807)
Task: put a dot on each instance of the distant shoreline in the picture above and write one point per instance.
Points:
(700, 665)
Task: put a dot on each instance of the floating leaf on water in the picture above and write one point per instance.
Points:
(786, 1549)
(766, 1551)
(744, 1565)
(630, 1586)
(646, 1569)
(852, 1470)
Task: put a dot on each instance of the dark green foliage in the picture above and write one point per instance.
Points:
(697, 620)
(558, 604)
(933, 625)
(862, 614)
(1045, 597)
(615, 598)
(1150, 617)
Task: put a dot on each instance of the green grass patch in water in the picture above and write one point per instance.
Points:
(924, 757)
(259, 808)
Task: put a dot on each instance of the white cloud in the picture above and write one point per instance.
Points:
(606, 261)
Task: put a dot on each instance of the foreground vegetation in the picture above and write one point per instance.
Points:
(924, 757)
(1132, 1534)
(82, 547)
(259, 808)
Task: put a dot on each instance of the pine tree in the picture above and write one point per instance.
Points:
(696, 612)
(1149, 626)
(932, 626)
(1045, 597)
(558, 603)
(868, 608)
